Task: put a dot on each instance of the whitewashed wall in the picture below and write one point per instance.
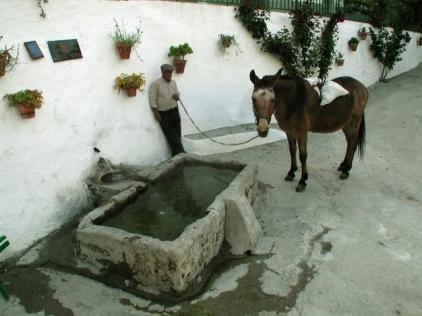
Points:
(45, 160)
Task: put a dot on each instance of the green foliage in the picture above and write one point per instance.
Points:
(353, 40)
(253, 19)
(125, 81)
(7, 58)
(387, 46)
(327, 45)
(281, 44)
(121, 36)
(226, 40)
(33, 98)
(180, 51)
(403, 14)
(306, 27)
(308, 49)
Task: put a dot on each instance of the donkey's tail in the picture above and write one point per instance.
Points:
(361, 137)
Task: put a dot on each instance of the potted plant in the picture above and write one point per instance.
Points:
(339, 59)
(26, 101)
(225, 41)
(130, 83)
(178, 53)
(124, 40)
(7, 61)
(363, 33)
(353, 43)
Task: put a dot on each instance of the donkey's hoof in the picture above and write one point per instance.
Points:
(344, 175)
(341, 167)
(300, 187)
(289, 177)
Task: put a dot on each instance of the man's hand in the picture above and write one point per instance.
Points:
(157, 116)
(176, 96)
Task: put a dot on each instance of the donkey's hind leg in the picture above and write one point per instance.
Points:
(351, 131)
(293, 163)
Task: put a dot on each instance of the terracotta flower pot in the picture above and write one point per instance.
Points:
(124, 50)
(179, 65)
(362, 35)
(26, 111)
(339, 62)
(3, 60)
(353, 46)
(131, 92)
(226, 43)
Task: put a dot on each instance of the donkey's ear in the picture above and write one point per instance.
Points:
(253, 77)
(278, 73)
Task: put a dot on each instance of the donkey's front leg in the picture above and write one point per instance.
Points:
(293, 164)
(302, 141)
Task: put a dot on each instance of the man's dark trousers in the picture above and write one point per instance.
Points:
(170, 124)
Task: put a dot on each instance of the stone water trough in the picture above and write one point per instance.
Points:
(168, 266)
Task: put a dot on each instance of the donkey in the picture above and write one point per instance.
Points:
(296, 106)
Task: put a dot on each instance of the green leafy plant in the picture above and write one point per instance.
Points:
(125, 81)
(179, 52)
(326, 46)
(253, 18)
(362, 33)
(353, 40)
(225, 41)
(7, 59)
(387, 46)
(307, 49)
(121, 36)
(31, 98)
(353, 43)
(339, 60)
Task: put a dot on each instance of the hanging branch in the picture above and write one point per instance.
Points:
(40, 5)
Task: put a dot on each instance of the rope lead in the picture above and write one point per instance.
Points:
(209, 137)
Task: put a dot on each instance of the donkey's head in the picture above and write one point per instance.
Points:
(263, 100)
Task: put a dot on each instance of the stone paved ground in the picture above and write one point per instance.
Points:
(339, 248)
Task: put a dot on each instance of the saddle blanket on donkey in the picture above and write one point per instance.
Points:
(330, 90)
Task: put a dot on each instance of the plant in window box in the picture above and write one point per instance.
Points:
(26, 101)
(130, 83)
(225, 41)
(125, 40)
(339, 59)
(353, 43)
(178, 53)
(363, 33)
(7, 60)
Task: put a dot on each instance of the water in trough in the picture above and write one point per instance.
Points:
(166, 208)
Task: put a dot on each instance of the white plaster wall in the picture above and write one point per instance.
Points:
(45, 160)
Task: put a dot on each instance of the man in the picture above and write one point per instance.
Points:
(163, 97)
